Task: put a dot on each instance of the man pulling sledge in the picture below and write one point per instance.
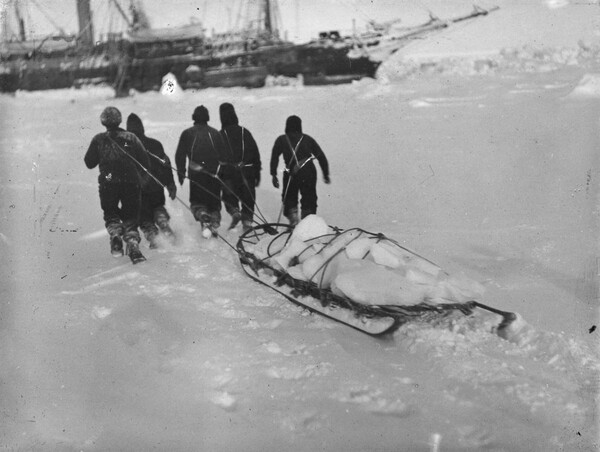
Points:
(300, 175)
(121, 159)
(243, 173)
(201, 147)
(153, 212)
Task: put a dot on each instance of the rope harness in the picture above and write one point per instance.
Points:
(199, 168)
(240, 166)
(291, 171)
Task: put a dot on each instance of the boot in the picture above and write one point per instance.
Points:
(209, 231)
(206, 225)
(307, 212)
(215, 222)
(236, 216)
(214, 226)
(166, 230)
(134, 253)
(246, 225)
(152, 240)
(116, 246)
(292, 216)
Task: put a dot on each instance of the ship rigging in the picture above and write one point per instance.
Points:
(118, 46)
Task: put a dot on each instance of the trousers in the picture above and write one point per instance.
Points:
(120, 203)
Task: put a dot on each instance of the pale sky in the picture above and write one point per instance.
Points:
(301, 19)
(540, 20)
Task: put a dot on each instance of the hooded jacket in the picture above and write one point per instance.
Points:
(242, 150)
(159, 163)
(203, 146)
(298, 150)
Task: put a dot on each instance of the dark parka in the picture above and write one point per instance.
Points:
(243, 170)
(159, 163)
(153, 212)
(298, 162)
(120, 156)
(300, 175)
(116, 153)
(201, 147)
(242, 148)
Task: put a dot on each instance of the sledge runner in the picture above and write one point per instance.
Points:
(153, 212)
(300, 175)
(243, 173)
(202, 148)
(120, 156)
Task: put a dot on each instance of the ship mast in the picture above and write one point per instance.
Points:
(86, 29)
(268, 18)
(139, 18)
(122, 13)
(21, 22)
(260, 18)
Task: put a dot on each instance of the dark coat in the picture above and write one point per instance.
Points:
(308, 148)
(203, 146)
(116, 152)
(160, 164)
(242, 150)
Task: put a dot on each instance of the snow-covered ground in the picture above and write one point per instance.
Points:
(520, 36)
(494, 177)
(477, 148)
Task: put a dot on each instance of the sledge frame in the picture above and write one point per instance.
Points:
(327, 303)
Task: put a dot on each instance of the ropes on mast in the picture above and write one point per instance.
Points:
(49, 18)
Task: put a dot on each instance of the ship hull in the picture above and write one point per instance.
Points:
(250, 69)
(47, 74)
(317, 65)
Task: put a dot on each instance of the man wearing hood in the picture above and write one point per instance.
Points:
(243, 172)
(300, 175)
(153, 211)
(201, 147)
(121, 158)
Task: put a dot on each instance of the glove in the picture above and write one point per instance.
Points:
(172, 189)
(326, 179)
(275, 182)
(257, 179)
(181, 177)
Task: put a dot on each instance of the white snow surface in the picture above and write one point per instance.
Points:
(520, 36)
(494, 177)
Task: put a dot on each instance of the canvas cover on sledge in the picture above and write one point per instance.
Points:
(359, 278)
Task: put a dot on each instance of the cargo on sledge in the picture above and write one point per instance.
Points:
(362, 279)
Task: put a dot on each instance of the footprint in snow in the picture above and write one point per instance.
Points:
(221, 380)
(224, 400)
(373, 401)
(297, 372)
(100, 312)
(272, 347)
(304, 423)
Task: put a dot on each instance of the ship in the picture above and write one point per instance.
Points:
(137, 57)
(244, 56)
(382, 40)
(56, 60)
